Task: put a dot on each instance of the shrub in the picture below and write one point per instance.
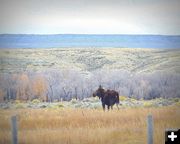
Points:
(147, 104)
(96, 106)
(178, 103)
(74, 101)
(77, 105)
(60, 105)
(19, 105)
(122, 98)
(55, 106)
(96, 99)
(17, 101)
(36, 101)
(176, 100)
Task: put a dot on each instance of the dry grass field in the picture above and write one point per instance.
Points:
(88, 126)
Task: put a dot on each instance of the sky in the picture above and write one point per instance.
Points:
(90, 17)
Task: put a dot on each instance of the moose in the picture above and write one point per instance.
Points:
(108, 97)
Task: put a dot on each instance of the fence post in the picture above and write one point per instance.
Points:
(150, 129)
(14, 130)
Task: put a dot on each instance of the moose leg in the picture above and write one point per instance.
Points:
(103, 105)
(117, 105)
(108, 107)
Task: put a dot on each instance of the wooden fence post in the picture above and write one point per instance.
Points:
(14, 130)
(150, 129)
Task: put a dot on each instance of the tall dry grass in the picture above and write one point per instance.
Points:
(75, 126)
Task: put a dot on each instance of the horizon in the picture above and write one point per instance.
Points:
(89, 40)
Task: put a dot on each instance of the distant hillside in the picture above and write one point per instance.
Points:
(84, 59)
(88, 41)
(66, 73)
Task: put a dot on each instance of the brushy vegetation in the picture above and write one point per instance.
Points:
(57, 85)
(89, 103)
(88, 126)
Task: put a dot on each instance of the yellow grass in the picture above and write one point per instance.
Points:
(75, 126)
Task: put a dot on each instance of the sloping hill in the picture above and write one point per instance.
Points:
(90, 59)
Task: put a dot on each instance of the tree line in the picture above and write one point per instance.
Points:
(66, 84)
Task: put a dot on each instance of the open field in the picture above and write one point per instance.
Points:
(70, 121)
(89, 59)
(88, 126)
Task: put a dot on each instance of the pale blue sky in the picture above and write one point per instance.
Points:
(90, 16)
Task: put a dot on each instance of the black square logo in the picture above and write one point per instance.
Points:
(172, 136)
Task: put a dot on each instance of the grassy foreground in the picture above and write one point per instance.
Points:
(88, 126)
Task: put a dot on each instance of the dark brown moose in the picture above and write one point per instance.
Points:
(108, 97)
